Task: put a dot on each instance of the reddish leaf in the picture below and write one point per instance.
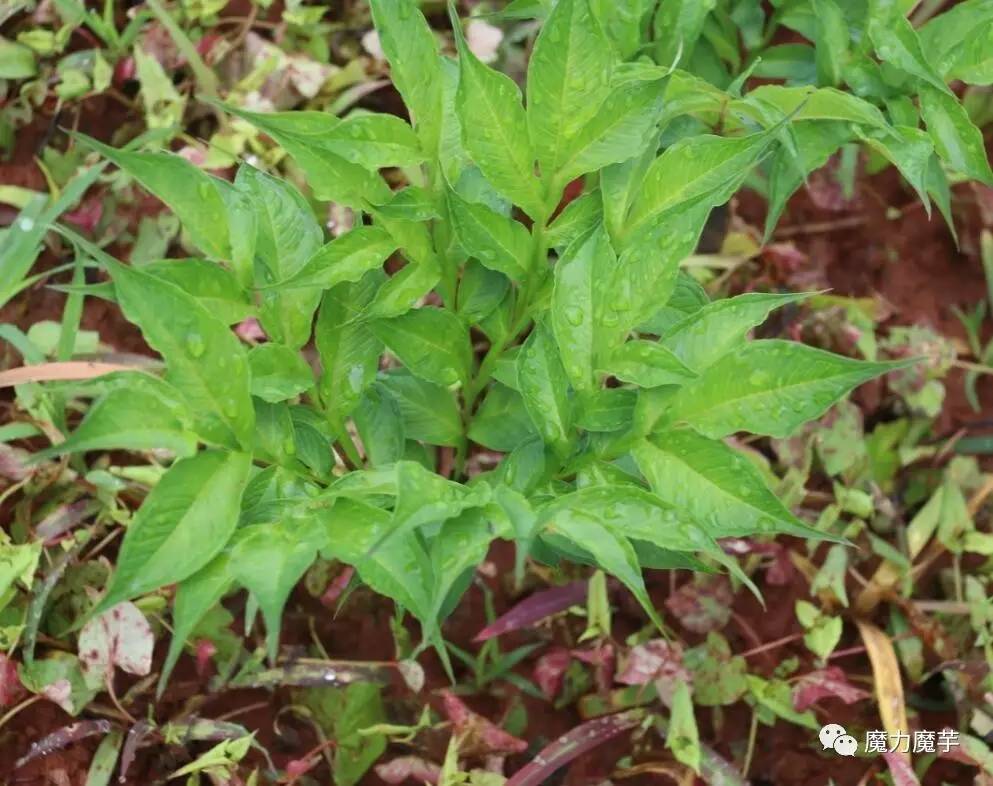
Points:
(87, 215)
(829, 682)
(337, 586)
(549, 671)
(206, 650)
(11, 689)
(702, 605)
(535, 608)
(603, 659)
(478, 736)
(655, 661)
(61, 520)
(900, 769)
(408, 768)
(63, 738)
(136, 736)
(574, 744)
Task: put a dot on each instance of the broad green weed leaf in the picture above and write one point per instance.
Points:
(330, 176)
(942, 37)
(195, 596)
(909, 150)
(974, 64)
(625, 22)
(495, 131)
(481, 292)
(809, 103)
(769, 387)
(648, 268)
(704, 169)
(647, 364)
(127, 420)
(278, 372)
(497, 241)
(424, 497)
(626, 121)
(380, 425)
(460, 545)
(577, 218)
(610, 549)
(955, 136)
(718, 327)
(213, 286)
(182, 525)
(678, 26)
(348, 350)
(193, 195)
(832, 41)
(896, 42)
(404, 289)
(268, 561)
(431, 342)
(416, 65)
(714, 484)
(205, 362)
(545, 389)
(287, 236)
(619, 186)
(347, 258)
(375, 141)
(568, 79)
(430, 412)
(584, 326)
(502, 422)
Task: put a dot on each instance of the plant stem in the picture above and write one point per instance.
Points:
(520, 322)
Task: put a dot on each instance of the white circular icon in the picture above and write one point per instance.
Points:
(830, 733)
(846, 745)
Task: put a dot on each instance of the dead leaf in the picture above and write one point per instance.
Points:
(477, 735)
(121, 638)
(406, 768)
(60, 372)
(702, 605)
(823, 683)
(886, 676)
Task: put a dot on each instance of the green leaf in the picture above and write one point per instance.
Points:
(626, 121)
(585, 326)
(432, 343)
(633, 512)
(714, 484)
(769, 387)
(380, 425)
(718, 327)
(331, 176)
(278, 372)
(182, 525)
(287, 236)
(16, 61)
(497, 241)
(213, 286)
(955, 136)
(568, 79)
(832, 41)
(348, 258)
(411, 48)
(375, 141)
(205, 361)
(910, 150)
(502, 422)
(430, 412)
(974, 64)
(127, 420)
(495, 130)
(195, 596)
(578, 218)
(809, 103)
(677, 28)
(193, 195)
(700, 170)
(946, 35)
(268, 561)
(682, 737)
(611, 551)
(648, 364)
(349, 351)
(545, 389)
(896, 43)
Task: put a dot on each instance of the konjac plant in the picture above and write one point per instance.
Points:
(469, 361)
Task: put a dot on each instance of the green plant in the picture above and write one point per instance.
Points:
(608, 380)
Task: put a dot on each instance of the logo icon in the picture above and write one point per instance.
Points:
(833, 736)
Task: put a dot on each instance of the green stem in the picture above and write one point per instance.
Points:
(520, 322)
